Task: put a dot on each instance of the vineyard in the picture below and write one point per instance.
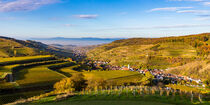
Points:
(42, 72)
(122, 93)
(11, 69)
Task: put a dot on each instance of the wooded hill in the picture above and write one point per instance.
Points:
(10, 47)
(154, 52)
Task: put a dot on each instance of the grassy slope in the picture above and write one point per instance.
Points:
(164, 52)
(111, 76)
(10, 47)
(7, 48)
(68, 71)
(197, 69)
(7, 69)
(38, 76)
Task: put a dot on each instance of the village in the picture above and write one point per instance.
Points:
(159, 74)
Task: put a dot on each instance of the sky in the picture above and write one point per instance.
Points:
(103, 18)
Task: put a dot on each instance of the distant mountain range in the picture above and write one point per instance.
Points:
(76, 41)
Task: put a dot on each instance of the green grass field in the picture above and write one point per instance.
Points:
(107, 75)
(117, 76)
(68, 71)
(38, 76)
(6, 69)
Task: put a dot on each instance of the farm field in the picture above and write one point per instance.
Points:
(6, 69)
(38, 76)
(107, 75)
(68, 71)
(117, 76)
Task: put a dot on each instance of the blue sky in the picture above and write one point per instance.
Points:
(103, 18)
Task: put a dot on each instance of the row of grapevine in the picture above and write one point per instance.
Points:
(142, 91)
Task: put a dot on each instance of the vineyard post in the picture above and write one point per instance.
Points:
(126, 91)
(145, 90)
(174, 92)
(101, 90)
(96, 90)
(111, 90)
(116, 90)
(89, 92)
(191, 94)
(161, 91)
(167, 92)
(142, 90)
(106, 90)
(139, 91)
(200, 98)
(153, 91)
(83, 91)
(180, 92)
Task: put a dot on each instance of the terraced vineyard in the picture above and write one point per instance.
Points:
(42, 71)
(38, 76)
(158, 53)
(8, 64)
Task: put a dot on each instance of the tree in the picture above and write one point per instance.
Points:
(76, 82)
(79, 81)
(95, 82)
(147, 79)
(65, 85)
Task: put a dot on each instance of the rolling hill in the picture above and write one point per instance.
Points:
(10, 47)
(154, 52)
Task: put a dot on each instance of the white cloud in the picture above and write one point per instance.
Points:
(170, 26)
(169, 9)
(204, 15)
(68, 25)
(206, 3)
(187, 0)
(194, 11)
(23, 5)
(8, 18)
(87, 16)
(203, 18)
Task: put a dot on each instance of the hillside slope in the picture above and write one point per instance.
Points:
(197, 69)
(10, 47)
(154, 52)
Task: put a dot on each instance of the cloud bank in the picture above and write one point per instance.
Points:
(86, 16)
(169, 9)
(23, 5)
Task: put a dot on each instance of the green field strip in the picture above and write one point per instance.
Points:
(69, 71)
(4, 70)
(109, 74)
(65, 69)
(38, 76)
(58, 67)
(23, 58)
(8, 68)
